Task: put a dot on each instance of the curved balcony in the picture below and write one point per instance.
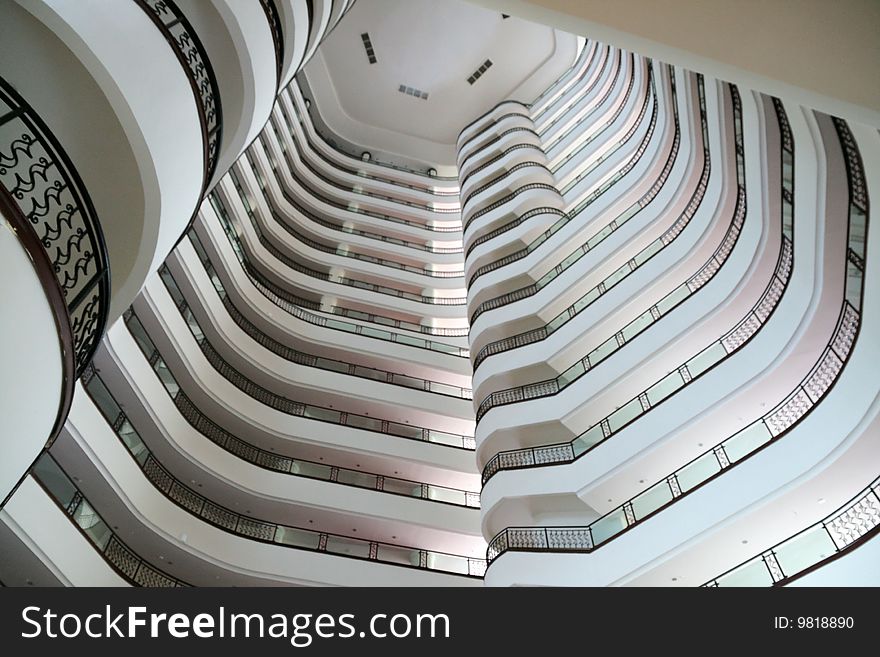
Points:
(567, 80)
(845, 529)
(490, 134)
(490, 118)
(772, 425)
(54, 250)
(136, 491)
(583, 75)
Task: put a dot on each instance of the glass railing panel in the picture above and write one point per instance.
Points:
(446, 495)
(751, 574)
(804, 550)
(92, 524)
(706, 359)
(297, 537)
(608, 526)
(54, 480)
(448, 562)
(645, 254)
(401, 487)
(637, 325)
(132, 441)
(314, 470)
(350, 547)
(571, 374)
(398, 555)
(166, 377)
(746, 441)
(587, 440)
(672, 299)
(361, 479)
(664, 387)
(625, 414)
(318, 413)
(698, 471)
(652, 499)
(604, 350)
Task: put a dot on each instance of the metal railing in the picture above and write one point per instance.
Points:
(268, 532)
(41, 190)
(324, 276)
(310, 360)
(193, 57)
(501, 135)
(281, 298)
(62, 490)
(769, 427)
(840, 531)
(274, 21)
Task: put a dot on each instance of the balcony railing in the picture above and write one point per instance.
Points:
(578, 70)
(269, 460)
(359, 172)
(763, 431)
(46, 202)
(274, 21)
(495, 140)
(611, 280)
(493, 124)
(509, 101)
(347, 207)
(355, 154)
(310, 360)
(496, 158)
(255, 529)
(349, 189)
(324, 276)
(277, 292)
(193, 57)
(67, 496)
(565, 218)
(290, 406)
(847, 528)
(284, 222)
(507, 198)
(282, 299)
(504, 174)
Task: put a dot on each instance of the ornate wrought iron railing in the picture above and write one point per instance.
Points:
(274, 21)
(765, 430)
(260, 530)
(847, 528)
(42, 191)
(193, 57)
(62, 490)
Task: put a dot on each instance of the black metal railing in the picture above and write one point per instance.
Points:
(268, 532)
(342, 280)
(193, 57)
(493, 124)
(281, 298)
(507, 199)
(840, 531)
(356, 190)
(504, 174)
(766, 429)
(42, 191)
(62, 490)
(274, 20)
(311, 360)
(349, 207)
(618, 221)
(263, 458)
(296, 408)
(488, 112)
(359, 172)
(579, 71)
(501, 135)
(284, 223)
(496, 158)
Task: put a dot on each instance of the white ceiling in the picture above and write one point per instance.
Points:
(433, 46)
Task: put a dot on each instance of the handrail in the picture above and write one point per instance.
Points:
(489, 111)
(492, 124)
(349, 189)
(248, 526)
(501, 176)
(193, 57)
(509, 197)
(572, 71)
(67, 496)
(765, 430)
(344, 253)
(683, 375)
(274, 21)
(360, 173)
(495, 140)
(342, 280)
(46, 201)
(614, 224)
(332, 143)
(280, 298)
(347, 207)
(842, 530)
(504, 153)
(321, 221)
(599, 237)
(311, 360)
(271, 460)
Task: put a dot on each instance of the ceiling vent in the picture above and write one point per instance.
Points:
(409, 91)
(476, 75)
(368, 46)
